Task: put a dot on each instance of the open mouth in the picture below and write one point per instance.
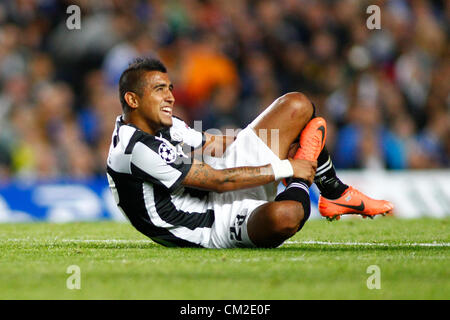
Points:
(167, 111)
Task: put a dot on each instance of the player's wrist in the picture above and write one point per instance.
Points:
(282, 169)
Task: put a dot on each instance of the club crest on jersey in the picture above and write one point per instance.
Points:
(167, 153)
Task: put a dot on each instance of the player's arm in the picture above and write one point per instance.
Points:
(203, 176)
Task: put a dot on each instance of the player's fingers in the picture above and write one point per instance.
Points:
(313, 172)
(311, 175)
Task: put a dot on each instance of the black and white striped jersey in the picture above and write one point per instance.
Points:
(145, 174)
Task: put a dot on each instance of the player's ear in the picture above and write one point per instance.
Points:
(132, 99)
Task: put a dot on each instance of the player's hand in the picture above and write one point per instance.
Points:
(304, 169)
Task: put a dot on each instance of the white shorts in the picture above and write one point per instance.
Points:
(233, 209)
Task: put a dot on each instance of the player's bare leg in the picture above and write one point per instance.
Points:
(274, 222)
(287, 117)
(281, 123)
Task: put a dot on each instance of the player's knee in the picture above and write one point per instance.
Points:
(287, 219)
(297, 104)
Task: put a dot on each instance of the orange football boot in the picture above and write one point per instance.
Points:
(312, 140)
(353, 201)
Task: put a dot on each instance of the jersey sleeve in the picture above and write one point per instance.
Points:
(159, 162)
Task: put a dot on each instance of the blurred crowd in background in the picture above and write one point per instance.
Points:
(384, 93)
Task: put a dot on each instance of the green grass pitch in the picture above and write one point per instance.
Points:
(326, 260)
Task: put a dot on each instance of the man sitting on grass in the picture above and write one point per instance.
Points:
(229, 199)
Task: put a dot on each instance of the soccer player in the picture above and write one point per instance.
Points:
(182, 187)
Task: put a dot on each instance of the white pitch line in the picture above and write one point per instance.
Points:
(326, 243)
(364, 244)
(106, 240)
(79, 240)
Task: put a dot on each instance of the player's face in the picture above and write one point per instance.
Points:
(156, 103)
